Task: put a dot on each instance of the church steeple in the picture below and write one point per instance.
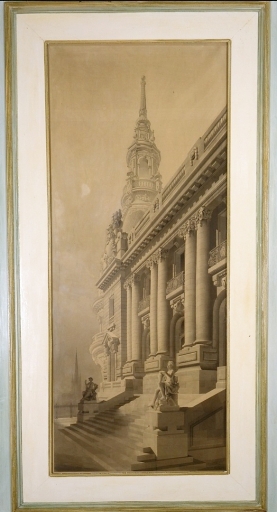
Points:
(76, 380)
(143, 177)
(142, 110)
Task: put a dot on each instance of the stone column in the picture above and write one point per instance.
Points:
(189, 234)
(203, 279)
(136, 322)
(152, 264)
(162, 306)
(128, 288)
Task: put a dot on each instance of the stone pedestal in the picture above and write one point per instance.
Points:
(195, 380)
(204, 356)
(87, 410)
(156, 363)
(133, 369)
(166, 434)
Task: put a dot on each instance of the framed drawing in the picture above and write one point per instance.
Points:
(138, 268)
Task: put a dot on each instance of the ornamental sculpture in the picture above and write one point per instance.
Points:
(110, 344)
(167, 390)
(89, 394)
(113, 235)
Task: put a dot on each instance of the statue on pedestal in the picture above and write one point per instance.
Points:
(90, 392)
(168, 388)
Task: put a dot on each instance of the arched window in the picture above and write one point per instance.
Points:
(143, 168)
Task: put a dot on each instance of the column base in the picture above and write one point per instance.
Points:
(195, 380)
(156, 363)
(203, 356)
(133, 369)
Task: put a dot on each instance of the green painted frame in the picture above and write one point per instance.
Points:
(11, 10)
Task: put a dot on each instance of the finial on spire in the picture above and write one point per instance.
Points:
(142, 110)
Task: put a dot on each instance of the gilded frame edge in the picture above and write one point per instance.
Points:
(263, 7)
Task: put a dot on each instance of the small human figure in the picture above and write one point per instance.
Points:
(168, 387)
(90, 391)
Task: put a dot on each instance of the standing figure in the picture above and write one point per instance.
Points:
(168, 387)
(90, 391)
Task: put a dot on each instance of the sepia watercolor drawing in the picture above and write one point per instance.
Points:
(139, 238)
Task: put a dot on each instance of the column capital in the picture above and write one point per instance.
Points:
(188, 228)
(127, 283)
(151, 261)
(202, 214)
(133, 278)
(161, 254)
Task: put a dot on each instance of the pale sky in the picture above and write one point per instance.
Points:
(94, 105)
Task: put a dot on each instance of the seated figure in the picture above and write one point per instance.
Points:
(90, 392)
(168, 388)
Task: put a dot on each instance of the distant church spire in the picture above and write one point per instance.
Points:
(76, 366)
(142, 110)
(76, 380)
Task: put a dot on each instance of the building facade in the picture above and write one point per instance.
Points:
(162, 289)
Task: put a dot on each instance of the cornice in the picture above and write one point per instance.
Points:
(180, 192)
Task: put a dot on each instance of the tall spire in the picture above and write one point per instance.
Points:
(76, 366)
(143, 177)
(142, 110)
(76, 379)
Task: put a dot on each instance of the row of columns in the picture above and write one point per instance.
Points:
(158, 309)
(197, 290)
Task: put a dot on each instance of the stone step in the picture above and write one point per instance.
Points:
(124, 443)
(103, 429)
(105, 462)
(106, 422)
(147, 449)
(110, 420)
(102, 425)
(123, 453)
(180, 464)
(143, 466)
(136, 429)
(121, 434)
(145, 457)
(107, 449)
(118, 414)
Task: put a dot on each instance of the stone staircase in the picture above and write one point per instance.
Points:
(112, 438)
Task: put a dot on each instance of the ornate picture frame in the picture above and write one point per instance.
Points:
(29, 29)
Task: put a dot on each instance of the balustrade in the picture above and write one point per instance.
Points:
(144, 303)
(218, 254)
(175, 283)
